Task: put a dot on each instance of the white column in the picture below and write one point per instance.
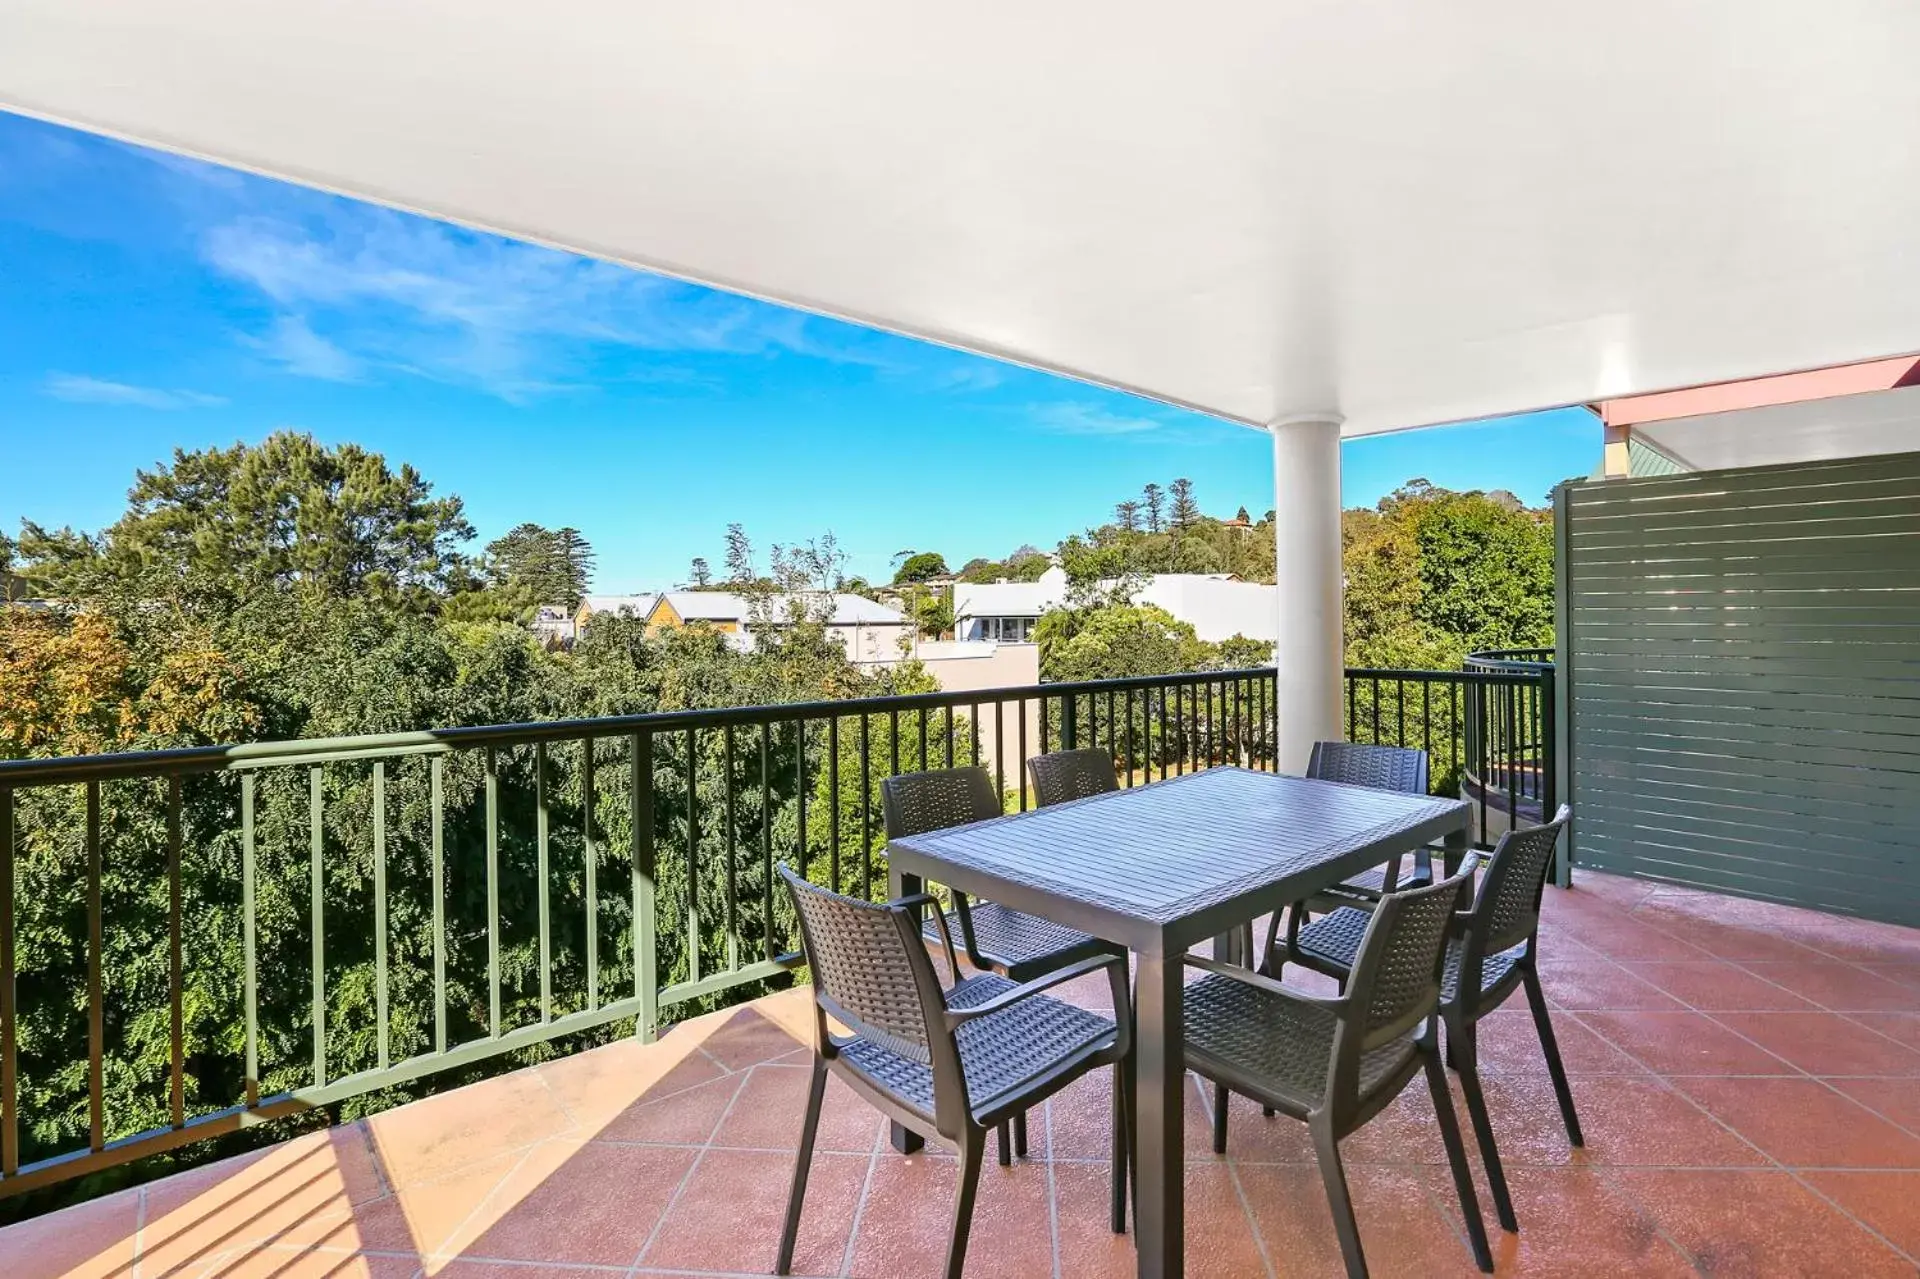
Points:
(1306, 532)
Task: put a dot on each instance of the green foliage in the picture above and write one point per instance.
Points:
(286, 513)
(1433, 575)
(548, 566)
(920, 566)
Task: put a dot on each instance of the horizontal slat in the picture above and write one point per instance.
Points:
(1855, 823)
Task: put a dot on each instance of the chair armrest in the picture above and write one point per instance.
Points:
(957, 1017)
(940, 919)
(1267, 984)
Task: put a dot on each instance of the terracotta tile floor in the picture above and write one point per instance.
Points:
(1748, 1077)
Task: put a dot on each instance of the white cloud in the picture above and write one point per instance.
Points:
(508, 318)
(1080, 418)
(298, 349)
(974, 375)
(79, 389)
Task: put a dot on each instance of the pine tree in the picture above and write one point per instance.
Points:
(1155, 502)
(1186, 511)
(1127, 515)
(702, 576)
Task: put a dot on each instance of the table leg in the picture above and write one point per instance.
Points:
(905, 1140)
(1454, 851)
(1160, 1088)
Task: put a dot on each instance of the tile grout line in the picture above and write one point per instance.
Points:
(686, 1178)
(1053, 1186)
(1233, 1179)
(139, 1229)
(1780, 1165)
(880, 1145)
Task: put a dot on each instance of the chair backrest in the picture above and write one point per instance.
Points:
(1396, 768)
(1395, 983)
(1066, 775)
(1506, 911)
(914, 803)
(870, 969)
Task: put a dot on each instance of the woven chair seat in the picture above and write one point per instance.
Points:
(998, 1053)
(1021, 945)
(1284, 1044)
(1335, 939)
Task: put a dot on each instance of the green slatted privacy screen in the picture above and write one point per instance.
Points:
(1741, 654)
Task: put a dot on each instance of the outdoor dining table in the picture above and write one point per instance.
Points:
(1157, 869)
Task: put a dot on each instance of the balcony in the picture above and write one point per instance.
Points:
(590, 902)
(1748, 1076)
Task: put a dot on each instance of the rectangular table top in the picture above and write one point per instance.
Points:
(1166, 864)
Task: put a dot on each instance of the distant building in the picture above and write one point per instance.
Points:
(635, 605)
(870, 632)
(1217, 605)
(553, 626)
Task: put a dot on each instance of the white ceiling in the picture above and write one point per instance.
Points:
(1810, 431)
(1408, 213)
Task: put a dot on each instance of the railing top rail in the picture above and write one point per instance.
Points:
(1516, 672)
(1510, 659)
(439, 741)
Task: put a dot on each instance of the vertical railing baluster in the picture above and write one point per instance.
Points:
(590, 872)
(833, 800)
(973, 732)
(438, 806)
(999, 753)
(380, 1034)
(1020, 756)
(733, 851)
(1426, 721)
(866, 803)
(1353, 715)
(693, 855)
(925, 762)
(316, 854)
(766, 835)
(646, 982)
(800, 786)
(249, 954)
(177, 1030)
(1128, 764)
(893, 743)
(96, 1012)
(542, 830)
(9, 1011)
(493, 893)
(949, 736)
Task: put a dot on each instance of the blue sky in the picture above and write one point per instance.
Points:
(149, 302)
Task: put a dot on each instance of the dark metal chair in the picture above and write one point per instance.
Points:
(1068, 775)
(1011, 943)
(1492, 951)
(948, 1064)
(1336, 1063)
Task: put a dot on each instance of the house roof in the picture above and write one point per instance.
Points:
(1405, 214)
(725, 606)
(638, 605)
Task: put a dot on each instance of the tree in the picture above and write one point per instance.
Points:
(1241, 515)
(700, 575)
(919, 566)
(1127, 516)
(1154, 500)
(549, 566)
(1186, 511)
(288, 512)
(739, 558)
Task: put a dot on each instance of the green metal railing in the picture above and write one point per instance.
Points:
(486, 863)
